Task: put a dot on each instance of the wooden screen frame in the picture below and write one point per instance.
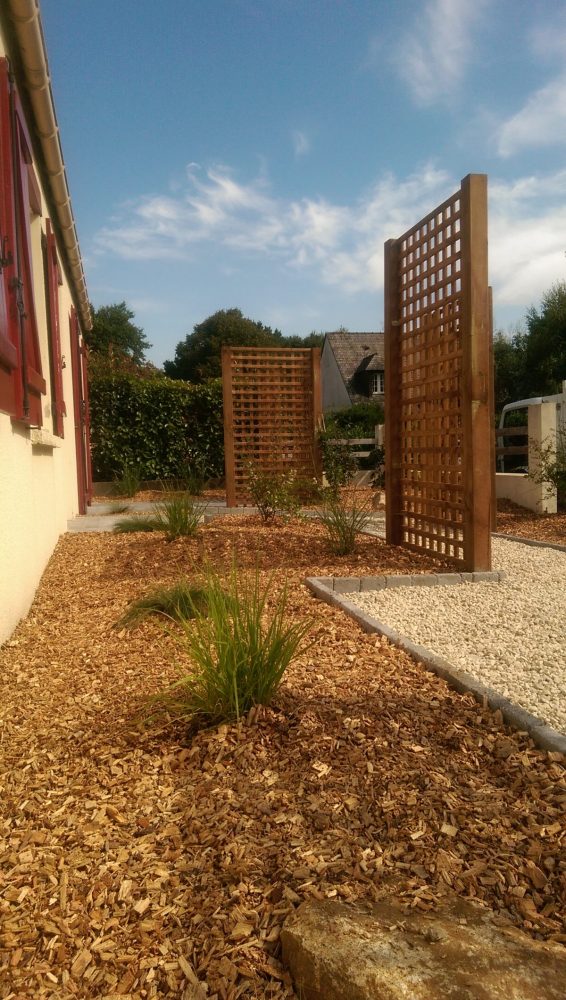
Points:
(272, 413)
(438, 447)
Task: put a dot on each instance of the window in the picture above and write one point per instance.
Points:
(377, 384)
(21, 380)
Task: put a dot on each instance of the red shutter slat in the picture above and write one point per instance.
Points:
(10, 382)
(52, 283)
(33, 374)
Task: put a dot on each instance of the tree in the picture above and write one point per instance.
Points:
(545, 357)
(198, 356)
(509, 364)
(114, 334)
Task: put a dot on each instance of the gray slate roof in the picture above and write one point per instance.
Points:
(356, 352)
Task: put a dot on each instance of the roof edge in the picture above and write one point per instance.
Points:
(25, 18)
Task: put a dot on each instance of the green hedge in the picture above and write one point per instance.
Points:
(157, 426)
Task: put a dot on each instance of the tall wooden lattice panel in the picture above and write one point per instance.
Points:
(438, 395)
(272, 408)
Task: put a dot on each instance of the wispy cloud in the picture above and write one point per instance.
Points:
(434, 56)
(540, 122)
(341, 245)
(301, 143)
(343, 242)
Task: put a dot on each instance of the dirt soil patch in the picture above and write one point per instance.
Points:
(141, 863)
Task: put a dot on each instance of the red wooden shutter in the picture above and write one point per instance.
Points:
(10, 383)
(52, 283)
(32, 374)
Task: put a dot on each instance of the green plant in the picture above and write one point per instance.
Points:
(358, 420)
(551, 465)
(338, 461)
(130, 525)
(239, 652)
(274, 494)
(119, 508)
(178, 516)
(128, 483)
(342, 525)
(179, 602)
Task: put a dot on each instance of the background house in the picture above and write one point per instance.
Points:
(45, 461)
(351, 369)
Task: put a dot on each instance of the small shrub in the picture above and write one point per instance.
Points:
(338, 461)
(551, 461)
(274, 494)
(342, 525)
(178, 516)
(128, 483)
(239, 652)
(179, 602)
(193, 476)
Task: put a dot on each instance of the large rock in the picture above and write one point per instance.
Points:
(336, 951)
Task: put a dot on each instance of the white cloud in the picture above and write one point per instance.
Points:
(340, 245)
(433, 57)
(301, 143)
(527, 237)
(540, 122)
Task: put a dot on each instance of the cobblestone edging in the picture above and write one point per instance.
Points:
(334, 590)
(529, 541)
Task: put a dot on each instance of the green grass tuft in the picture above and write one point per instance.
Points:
(180, 602)
(342, 525)
(238, 653)
(132, 524)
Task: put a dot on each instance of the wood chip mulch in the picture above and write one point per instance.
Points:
(514, 520)
(150, 862)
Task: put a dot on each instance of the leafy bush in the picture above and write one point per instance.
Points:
(158, 426)
(274, 494)
(358, 420)
(342, 525)
(239, 651)
(179, 602)
(338, 461)
(178, 516)
(551, 460)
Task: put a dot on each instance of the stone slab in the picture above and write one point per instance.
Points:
(339, 951)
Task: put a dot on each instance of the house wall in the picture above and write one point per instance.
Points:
(334, 393)
(38, 474)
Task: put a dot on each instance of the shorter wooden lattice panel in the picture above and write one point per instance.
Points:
(438, 399)
(272, 408)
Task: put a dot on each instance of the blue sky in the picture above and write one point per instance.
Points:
(258, 153)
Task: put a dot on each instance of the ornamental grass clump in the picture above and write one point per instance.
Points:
(178, 603)
(178, 516)
(238, 652)
(342, 524)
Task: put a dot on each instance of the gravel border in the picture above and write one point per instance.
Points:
(335, 591)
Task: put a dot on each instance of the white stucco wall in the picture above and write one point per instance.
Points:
(38, 482)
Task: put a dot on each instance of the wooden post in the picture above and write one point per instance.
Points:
(228, 410)
(493, 518)
(392, 328)
(316, 411)
(476, 394)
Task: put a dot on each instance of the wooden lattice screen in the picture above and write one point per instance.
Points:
(438, 394)
(272, 409)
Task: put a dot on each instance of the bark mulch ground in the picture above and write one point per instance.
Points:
(150, 862)
(514, 520)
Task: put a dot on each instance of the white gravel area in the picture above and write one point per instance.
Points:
(511, 636)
